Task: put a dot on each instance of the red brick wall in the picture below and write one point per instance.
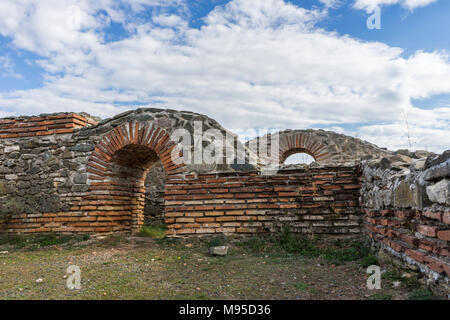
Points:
(42, 125)
(420, 235)
(319, 201)
(310, 201)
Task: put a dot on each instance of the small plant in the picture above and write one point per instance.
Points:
(256, 244)
(396, 274)
(298, 244)
(368, 261)
(39, 241)
(381, 296)
(157, 231)
(301, 286)
(422, 293)
(216, 241)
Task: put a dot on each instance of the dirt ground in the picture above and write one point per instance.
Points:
(140, 268)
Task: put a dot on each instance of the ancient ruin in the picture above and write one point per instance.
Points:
(70, 173)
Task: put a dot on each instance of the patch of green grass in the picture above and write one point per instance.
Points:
(298, 244)
(395, 274)
(381, 296)
(169, 242)
(368, 260)
(422, 293)
(254, 244)
(157, 231)
(305, 246)
(216, 241)
(40, 241)
(301, 286)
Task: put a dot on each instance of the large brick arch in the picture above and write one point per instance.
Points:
(117, 169)
(299, 142)
(326, 147)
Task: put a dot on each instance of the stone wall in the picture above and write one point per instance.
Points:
(96, 179)
(407, 212)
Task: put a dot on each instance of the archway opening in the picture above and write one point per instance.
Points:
(155, 183)
(297, 156)
(130, 179)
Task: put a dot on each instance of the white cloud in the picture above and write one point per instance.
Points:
(409, 4)
(7, 68)
(253, 64)
(331, 3)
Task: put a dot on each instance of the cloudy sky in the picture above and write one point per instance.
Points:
(247, 63)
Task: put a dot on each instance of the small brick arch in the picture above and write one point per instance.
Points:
(117, 169)
(298, 142)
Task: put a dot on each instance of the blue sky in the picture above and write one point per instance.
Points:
(248, 64)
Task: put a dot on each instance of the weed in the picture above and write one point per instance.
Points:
(410, 282)
(216, 241)
(45, 240)
(301, 286)
(381, 296)
(156, 231)
(422, 293)
(254, 244)
(368, 261)
(298, 244)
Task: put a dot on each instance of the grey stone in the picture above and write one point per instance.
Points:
(80, 188)
(404, 152)
(218, 251)
(67, 155)
(83, 147)
(28, 156)
(46, 155)
(11, 149)
(14, 155)
(439, 171)
(440, 192)
(418, 164)
(34, 170)
(419, 154)
(10, 163)
(80, 178)
(385, 163)
(435, 160)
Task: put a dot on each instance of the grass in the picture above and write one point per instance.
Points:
(296, 244)
(301, 286)
(216, 241)
(34, 242)
(381, 296)
(335, 255)
(285, 266)
(405, 278)
(422, 293)
(168, 268)
(156, 231)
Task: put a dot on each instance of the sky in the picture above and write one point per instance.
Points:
(249, 64)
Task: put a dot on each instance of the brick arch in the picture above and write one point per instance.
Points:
(299, 142)
(117, 169)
